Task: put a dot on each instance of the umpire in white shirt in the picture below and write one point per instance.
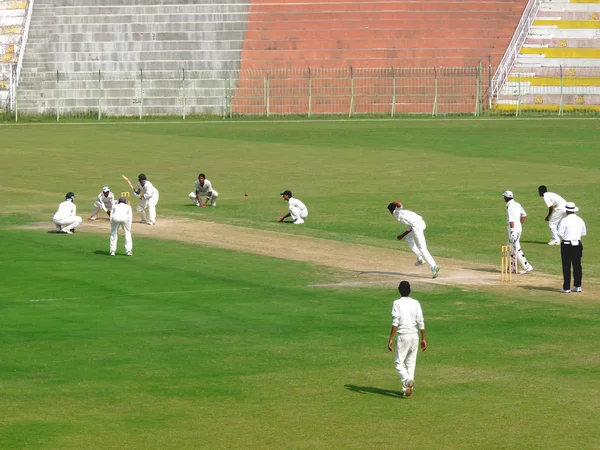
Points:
(571, 229)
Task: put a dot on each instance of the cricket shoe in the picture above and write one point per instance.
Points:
(554, 243)
(524, 271)
(435, 271)
(150, 223)
(565, 291)
(298, 221)
(112, 253)
(578, 289)
(67, 232)
(409, 388)
(92, 218)
(129, 254)
(420, 262)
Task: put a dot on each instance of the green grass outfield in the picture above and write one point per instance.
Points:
(184, 346)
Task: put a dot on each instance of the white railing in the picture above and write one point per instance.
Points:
(24, 42)
(508, 60)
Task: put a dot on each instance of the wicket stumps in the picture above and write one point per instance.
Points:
(127, 195)
(506, 269)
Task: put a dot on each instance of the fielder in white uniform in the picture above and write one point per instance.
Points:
(105, 202)
(297, 210)
(556, 212)
(66, 218)
(516, 216)
(149, 195)
(415, 235)
(407, 322)
(203, 188)
(121, 217)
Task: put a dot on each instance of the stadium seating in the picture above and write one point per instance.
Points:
(125, 57)
(12, 20)
(106, 47)
(558, 67)
(378, 33)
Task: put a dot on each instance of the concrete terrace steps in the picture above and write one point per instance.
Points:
(559, 64)
(118, 38)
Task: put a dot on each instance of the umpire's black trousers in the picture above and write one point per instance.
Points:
(571, 255)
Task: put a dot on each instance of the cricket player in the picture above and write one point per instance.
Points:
(415, 235)
(297, 210)
(66, 218)
(203, 188)
(516, 216)
(556, 212)
(105, 202)
(121, 217)
(407, 322)
(149, 196)
(571, 229)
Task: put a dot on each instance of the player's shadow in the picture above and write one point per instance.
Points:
(482, 269)
(535, 242)
(540, 288)
(373, 390)
(102, 252)
(374, 272)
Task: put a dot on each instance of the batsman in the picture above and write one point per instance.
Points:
(515, 217)
(148, 195)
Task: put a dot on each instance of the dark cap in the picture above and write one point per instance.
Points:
(404, 288)
(70, 195)
(391, 208)
(141, 177)
(287, 192)
(122, 200)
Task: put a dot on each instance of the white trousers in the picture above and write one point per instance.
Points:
(212, 200)
(298, 214)
(520, 256)
(416, 242)
(405, 360)
(97, 207)
(555, 218)
(67, 224)
(149, 203)
(114, 235)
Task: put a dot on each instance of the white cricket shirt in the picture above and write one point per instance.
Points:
(203, 190)
(295, 203)
(148, 189)
(409, 218)
(121, 212)
(514, 212)
(65, 209)
(106, 202)
(571, 228)
(407, 315)
(552, 199)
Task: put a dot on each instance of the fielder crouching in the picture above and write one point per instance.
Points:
(203, 188)
(66, 218)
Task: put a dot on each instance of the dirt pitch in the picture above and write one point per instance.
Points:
(354, 264)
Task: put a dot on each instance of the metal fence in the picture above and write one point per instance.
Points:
(306, 92)
(550, 90)
(298, 92)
